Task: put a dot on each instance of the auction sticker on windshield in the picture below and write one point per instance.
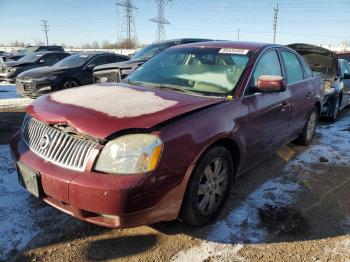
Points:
(236, 51)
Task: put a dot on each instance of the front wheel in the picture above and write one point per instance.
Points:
(208, 187)
(69, 83)
(306, 136)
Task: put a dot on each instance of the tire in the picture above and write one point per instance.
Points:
(69, 83)
(208, 187)
(306, 136)
(336, 110)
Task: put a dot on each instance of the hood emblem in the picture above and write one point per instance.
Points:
(45, 141)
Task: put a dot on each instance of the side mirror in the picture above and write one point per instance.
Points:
(346, 76)
(90, 66)
(270, 83)
(41, 61)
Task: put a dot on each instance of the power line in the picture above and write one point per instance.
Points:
(128, 29)
(275, 17)
(160, 20)
(45, 29)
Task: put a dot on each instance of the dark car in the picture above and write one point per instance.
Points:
(345, 55)
(170, 140)
(116, 71)
(31, 49)
(11, 69)
(335, 76)
(72, 71)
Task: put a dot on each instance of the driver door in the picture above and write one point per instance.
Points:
(269, 112)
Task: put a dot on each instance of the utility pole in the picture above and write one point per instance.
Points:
(238, 31)
(275, 16)
(160, 20)
(45, 29)
(128, 30)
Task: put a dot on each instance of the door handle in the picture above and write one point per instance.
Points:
(284, 105)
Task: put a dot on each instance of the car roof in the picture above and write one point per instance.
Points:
(93, 53)
(252, 46)
(49, 52)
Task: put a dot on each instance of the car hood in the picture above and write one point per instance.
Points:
(105, 109)
(41, 72)
(121, 65)
(15, 63)
(319, 59)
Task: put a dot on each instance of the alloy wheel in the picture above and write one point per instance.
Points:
(311, 125)
(212, 186)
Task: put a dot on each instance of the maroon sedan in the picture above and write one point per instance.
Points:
(169, 141)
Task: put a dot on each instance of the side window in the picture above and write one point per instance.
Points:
(100, 60)
(51, 59)
(308, 71)
(268, 64)
(293, 67)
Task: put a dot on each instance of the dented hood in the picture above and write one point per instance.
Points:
(102, 110)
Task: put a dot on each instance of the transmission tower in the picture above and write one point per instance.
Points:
(160, 20)
(128, 30)
(45, 29)
(274, 26)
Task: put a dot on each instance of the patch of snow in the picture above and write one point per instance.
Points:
(243, 223)
(8, 91)
(17, 227)
(334, 144)
(211, 252)
(23, 216)
(14, 104)
(114, 101)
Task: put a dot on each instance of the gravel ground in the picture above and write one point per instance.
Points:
(293, 207)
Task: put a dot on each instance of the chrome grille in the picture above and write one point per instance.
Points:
(56, 146)
(110, 75)
(24, 87)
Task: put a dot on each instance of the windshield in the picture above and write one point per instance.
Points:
(28, 50)
(204, 70)
(30, 57)
(151, 50)
(75, 60)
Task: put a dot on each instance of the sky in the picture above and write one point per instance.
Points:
(75, 22)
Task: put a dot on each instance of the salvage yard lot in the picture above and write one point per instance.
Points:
(295, 206)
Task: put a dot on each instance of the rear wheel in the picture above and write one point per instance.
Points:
(306, 136)
(336, 110)
(208, 187)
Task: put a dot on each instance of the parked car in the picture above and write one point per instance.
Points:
(168, 141)
(334, 74)
(72, 71)
(14, 56)
(345, 56)
(115, 72)
(11, 69)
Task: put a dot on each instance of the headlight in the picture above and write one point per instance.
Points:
(46, 78)
(328, 91)
(126, 71)
(13, 69)
(130, 154)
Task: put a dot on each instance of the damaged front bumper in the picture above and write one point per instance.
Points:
(114, 201)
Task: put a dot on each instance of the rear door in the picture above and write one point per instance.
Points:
(301, 89)
(269, 112)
